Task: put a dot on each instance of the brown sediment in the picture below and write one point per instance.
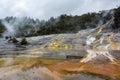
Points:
(69, 66)
(108, 69)
(111, 70)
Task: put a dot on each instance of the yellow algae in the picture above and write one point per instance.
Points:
(58, 44)
(100, 30)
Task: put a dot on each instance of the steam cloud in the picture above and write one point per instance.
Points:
(17, 26)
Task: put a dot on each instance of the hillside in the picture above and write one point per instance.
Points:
(26, 26)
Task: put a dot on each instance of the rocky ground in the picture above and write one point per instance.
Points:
(44, 58)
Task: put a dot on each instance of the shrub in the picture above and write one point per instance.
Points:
(24, 41)
(14, 40)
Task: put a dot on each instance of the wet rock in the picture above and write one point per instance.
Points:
(6, 37)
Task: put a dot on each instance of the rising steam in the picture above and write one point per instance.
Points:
(10, 29)
(20, 26)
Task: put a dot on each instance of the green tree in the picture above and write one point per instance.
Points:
(117, 18)
(2, 28)
(24, 41)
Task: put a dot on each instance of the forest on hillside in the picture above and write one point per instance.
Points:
(27, 26)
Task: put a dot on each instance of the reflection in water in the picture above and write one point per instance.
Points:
(43, 73)
(28, 68)
(12, 69)
(34, 74)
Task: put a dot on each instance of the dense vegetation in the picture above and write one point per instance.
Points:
(2, 28)
(62, 24)
(67, 24)
(117, 18)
